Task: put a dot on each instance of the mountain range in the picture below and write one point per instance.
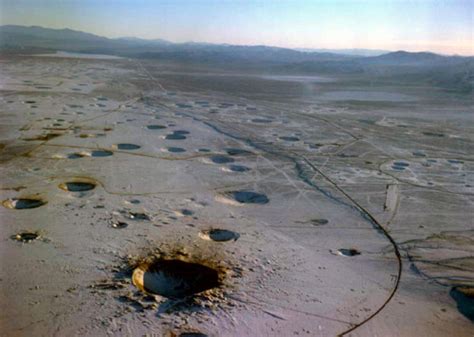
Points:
(450, 72)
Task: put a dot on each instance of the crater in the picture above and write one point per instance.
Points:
(77, 186)
(187, 212)
(348, 252)
(433, 134)
(181, 132)
(23, 203)
(156, 127)
(401, 164)
(176, 149)
(175, 278)
(319, 222)
(25, 237)
(101, 153)
(119, 225)
(221, 159)
(237, 152)
(398, 168)
(289, 138)
(238, 168)
(219, 235)
(248, 197)
(464, 297)
(260, 120)
(127, 146)
(418, 154)
(175, 136)
(138, 216)
(75, 155)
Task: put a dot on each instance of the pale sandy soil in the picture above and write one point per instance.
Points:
(394, 190)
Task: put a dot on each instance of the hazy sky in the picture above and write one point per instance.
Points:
(440, 26)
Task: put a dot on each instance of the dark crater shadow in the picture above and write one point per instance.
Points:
(175, 279)
(464, 297)
(261, 120)
(181, 132)
(23, 203)
(289, 138)
(238, 168)
(77, 186)
(101, 153)
(433, 134)
(221, 159)
(138, 216)
(175, 136)
(127, 146)
(176, 149)
(156, 127)
(25, 237)
(119, 225)
(319, 222)
(248, 197)
(237, 152)
(401, 164)
(219, 235)
(348, 252)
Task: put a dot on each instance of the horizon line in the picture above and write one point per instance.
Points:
(299, 49)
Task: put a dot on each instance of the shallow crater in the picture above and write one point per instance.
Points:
(138, 216)
(248, 197)
(78, 185)
(25, 237)
(101, 153)
(238, 168)
(237, 152)
(23, 203)
(319, 222)
(173, 149)
(289, 138)
(119, 225)
(127, 146)
(221, 159)
(156, 127)
(175, 136)
(219, 235)
(348, 252)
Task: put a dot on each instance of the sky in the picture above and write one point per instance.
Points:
(445, 27)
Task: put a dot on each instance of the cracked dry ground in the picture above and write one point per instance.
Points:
(142, 199)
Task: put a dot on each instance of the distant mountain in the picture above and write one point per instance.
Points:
(144, 41)
(47, 33)
(20, 37)
(351, 52)
(406, 58)
(450, 72)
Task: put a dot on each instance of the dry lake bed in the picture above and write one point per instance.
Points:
(142, 198)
